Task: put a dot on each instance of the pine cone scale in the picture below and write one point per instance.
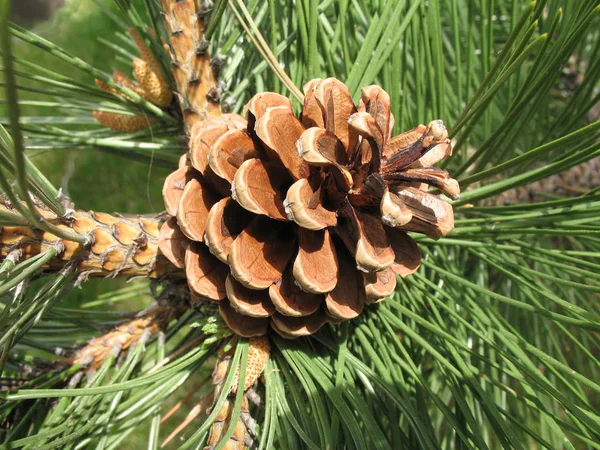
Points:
(293, 327)
(261, 252)
(336, 104)
(242, 325)
(194, 206)
(206, 275)
(202, 141)
(316, 267)
(229, 152)
(226, 220)
(249, 302)
(379, 285)
(290, 300)
(346, 300)
(297, 207)
(407, 256)
(260, 188)
(279, 130)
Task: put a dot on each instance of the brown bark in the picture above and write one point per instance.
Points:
(193, 71)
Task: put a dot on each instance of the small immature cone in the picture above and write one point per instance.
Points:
(258, 356)
(121, 79)
(157, 90)
(150, 75)
(122, 122)
(153, 87)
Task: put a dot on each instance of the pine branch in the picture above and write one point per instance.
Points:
(126, 336)
(121, 246)
(194, 72)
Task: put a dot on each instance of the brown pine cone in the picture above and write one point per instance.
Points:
(291, 223)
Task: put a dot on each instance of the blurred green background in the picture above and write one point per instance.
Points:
(94, 180)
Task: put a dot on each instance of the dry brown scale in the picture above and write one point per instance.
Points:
(290, 223)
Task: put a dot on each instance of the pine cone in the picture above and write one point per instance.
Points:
(291, 223)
